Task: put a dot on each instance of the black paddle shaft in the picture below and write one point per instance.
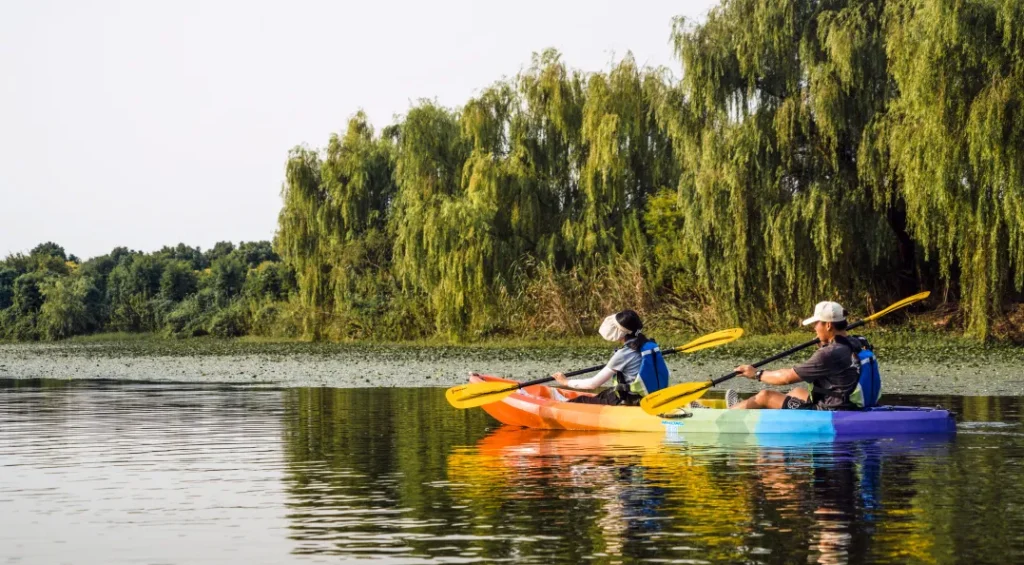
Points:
(543, 380)
(785, 353)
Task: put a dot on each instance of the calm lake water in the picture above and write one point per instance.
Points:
(114, 472)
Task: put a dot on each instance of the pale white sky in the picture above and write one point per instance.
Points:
(144, 123)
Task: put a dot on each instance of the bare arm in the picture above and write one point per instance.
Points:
(776, 377)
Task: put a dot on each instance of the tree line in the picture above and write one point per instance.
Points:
(180, 291)
(847, 149)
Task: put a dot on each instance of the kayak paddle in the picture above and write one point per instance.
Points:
(477, 394)
(680, 395)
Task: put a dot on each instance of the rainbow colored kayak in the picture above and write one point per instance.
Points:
(536, 407)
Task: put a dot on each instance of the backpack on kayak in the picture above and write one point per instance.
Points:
(869, 386)
(653, 370)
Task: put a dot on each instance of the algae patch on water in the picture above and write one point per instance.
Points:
(912, 363)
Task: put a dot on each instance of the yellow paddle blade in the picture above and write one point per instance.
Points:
(901, 304)
(477, 394)
(673, 397)
(668, 399)
(711, 340)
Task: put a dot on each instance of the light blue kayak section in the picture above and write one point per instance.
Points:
(788, 422)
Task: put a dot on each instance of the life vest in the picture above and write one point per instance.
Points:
(653, 375)
(653, 370)
(869, 386)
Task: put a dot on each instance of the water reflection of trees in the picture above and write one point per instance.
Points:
(399, 472)
(361, 465)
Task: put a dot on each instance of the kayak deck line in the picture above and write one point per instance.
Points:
(536, 407)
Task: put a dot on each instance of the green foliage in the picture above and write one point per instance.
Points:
(219, 249)
(28, 296)
(135, 313)
(954, 140)
(119, 254)
(253, 253)
(441, 240)
(266, 321)
(229, 322)
(47, 257)
(357, 176)
(811, 150)
(98, 269)
(178, 281)
(227, 276)
(20, 263)
(629, 157)
(181, 252)
(269, 281)
(45, 297)
(135, 275)
(298, 237)
(49, 249)
(774, 215)
(544, 167)
(18, 326)
(191, 317)
(7, 276)
(69, 307)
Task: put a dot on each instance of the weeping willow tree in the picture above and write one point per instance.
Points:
(628, 157)
(357, 174)
(767, 122)
(847, 149)
(543, 168)
(441, 238)
(332, 226)
(546, 150)
(299, 240)
(954, 140)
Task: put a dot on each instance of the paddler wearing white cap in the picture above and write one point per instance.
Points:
(831, 374)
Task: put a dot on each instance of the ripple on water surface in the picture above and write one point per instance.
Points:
(104, 472)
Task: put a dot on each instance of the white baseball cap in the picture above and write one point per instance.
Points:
(826, 312)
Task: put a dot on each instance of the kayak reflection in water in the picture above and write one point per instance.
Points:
(606, 472)
(631, 374)
(838, 487)
(832, 373)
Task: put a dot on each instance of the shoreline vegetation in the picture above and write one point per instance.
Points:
(912, 363)
(894, 345)
(852, 150)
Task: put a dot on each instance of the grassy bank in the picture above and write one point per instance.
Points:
(912, 363)
(934, 346)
